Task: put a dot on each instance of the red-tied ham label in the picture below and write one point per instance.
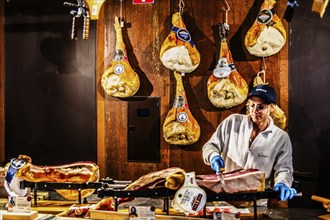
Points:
(143, 1)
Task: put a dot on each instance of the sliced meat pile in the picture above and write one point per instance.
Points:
(178, 52)
(267, 35)
(250, 180)
(119, 79)
(180, 127)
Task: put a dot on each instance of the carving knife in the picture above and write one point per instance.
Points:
(220, 176)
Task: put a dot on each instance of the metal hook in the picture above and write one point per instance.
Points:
(181, 6)
(226, 8)
(264, 63)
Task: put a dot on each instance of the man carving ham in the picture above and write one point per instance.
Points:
(253, 142)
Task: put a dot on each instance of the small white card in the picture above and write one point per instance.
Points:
(19, 204)
(141, 213)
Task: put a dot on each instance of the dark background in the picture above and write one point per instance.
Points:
(50, 104)
(309, 102)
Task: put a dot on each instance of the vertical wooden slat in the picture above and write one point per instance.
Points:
(101, 150)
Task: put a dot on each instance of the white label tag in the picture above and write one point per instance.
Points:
(190, 198)
(19, 204)
(141, 213)
(222, 69)
(94, 10)
(182, 117)
(119, 69)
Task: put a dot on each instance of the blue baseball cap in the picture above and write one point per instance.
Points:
(266, 92)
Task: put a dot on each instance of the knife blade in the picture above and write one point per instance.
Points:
(220, 176)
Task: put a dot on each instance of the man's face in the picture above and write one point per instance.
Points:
(259, 110)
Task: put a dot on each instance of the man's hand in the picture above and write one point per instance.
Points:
(217, 163)
(285, 191)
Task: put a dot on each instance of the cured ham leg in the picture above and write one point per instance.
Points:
(119, 79)
(171, 178)
(226, 88)
(79, 172)
(180, 127)
(267, 35)
(178, 52)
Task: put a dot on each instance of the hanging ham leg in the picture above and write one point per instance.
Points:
(267, 35)
(180, 127)
(120, 80)
(178, 52)
(226, 88)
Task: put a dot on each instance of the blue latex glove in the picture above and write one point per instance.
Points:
(285, 191)
(217, 163)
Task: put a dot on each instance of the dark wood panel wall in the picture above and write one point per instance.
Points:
(146, 27)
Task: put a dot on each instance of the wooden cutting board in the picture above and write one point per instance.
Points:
(327, 216)
(98, 214)
(19, 216)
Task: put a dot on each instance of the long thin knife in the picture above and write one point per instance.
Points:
(221, 177)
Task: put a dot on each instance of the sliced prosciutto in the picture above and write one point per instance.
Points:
(249, 180)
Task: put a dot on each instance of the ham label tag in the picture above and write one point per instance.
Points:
(15, 165)
(19, 204)
(223, 68)
(119, 69)
(182, 117)
(264, 16)
(190, 198)
(183, 35)
(179, 102)
(119, 55)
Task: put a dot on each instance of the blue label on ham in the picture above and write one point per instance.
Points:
(14, 166)
(183, 35)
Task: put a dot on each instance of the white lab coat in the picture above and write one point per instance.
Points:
(270, 151)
